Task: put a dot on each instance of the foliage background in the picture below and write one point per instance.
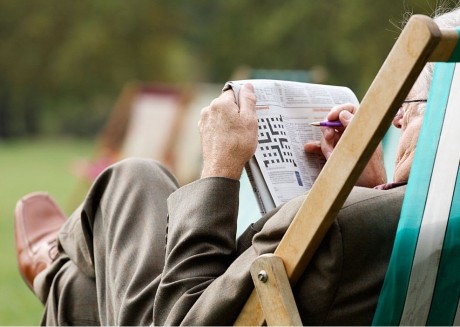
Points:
(63, 63)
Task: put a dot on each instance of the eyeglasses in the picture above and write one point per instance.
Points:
(417, 100)
(411, 101)
(401, 111)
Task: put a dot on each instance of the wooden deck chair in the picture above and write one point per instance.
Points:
(124, 127)
(143, 123)
(155, 118)
(273, 275)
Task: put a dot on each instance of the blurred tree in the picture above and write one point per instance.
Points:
(64, 61)
(349, 38)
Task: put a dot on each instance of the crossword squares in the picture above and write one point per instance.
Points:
(273, 143)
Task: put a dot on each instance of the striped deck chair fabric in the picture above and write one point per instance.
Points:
(422, 285)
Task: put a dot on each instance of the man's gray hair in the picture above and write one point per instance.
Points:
(444, 19)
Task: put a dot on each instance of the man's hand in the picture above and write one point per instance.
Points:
(228, 133)
(374, 173)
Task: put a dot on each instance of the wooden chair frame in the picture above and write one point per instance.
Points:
(421, 41)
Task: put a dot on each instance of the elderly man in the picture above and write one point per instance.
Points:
(140, 250)
(116, 266)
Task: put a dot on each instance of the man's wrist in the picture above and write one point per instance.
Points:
(232, 173)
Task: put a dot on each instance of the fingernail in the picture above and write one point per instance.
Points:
(346, 115)
(249, 86)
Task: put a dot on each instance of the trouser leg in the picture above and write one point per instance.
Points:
(117, 238)
(72, 299)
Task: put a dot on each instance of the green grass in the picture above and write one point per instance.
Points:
(28, 166)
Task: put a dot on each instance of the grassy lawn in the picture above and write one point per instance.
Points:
(28, 166)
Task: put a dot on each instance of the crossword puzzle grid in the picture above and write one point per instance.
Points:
(273, 143)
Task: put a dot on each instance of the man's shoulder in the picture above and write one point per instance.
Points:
(359, 198)
(363, 206)
(370, 196)
(373, 203)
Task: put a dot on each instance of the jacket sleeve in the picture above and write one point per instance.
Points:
(204, 283)
(200, 244)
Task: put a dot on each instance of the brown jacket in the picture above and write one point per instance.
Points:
(206, 277)
(114, 269)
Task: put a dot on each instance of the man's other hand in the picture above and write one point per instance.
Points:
(374, 173)
(228, 133)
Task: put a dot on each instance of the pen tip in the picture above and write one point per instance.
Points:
(315, 124)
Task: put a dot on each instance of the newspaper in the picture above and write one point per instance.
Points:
(280, 169)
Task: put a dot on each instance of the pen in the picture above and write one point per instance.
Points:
(333, 123)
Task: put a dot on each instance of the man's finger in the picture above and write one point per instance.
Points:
(313, 147)
(345, 117)
(227, 98)
(247, 99)
(335, 111)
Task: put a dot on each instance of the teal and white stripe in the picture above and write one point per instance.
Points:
(422, 284)
(434, 221)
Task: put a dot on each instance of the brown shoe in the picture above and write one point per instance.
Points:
(37, 221)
